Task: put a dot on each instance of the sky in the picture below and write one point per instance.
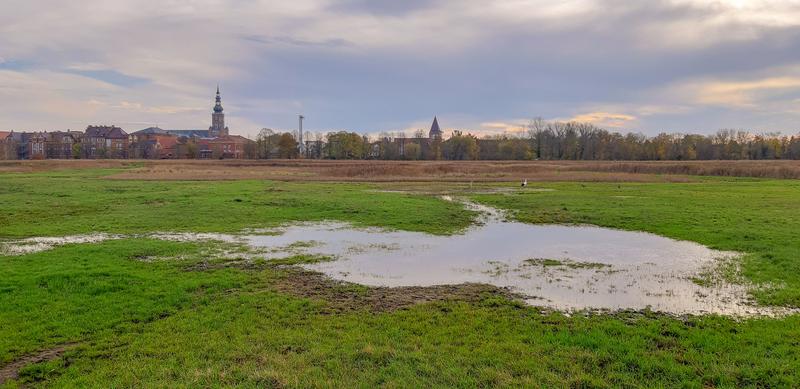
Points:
(374, 66)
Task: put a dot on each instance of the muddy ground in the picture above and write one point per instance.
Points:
(11, 370)
(342, 296)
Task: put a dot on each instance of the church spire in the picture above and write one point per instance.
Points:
(218, 105)
(217, 119)
(435, 132)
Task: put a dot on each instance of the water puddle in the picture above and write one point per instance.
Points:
(35, 245)
(38, 244)
(561, 267)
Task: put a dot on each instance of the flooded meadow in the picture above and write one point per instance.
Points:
(563, 267)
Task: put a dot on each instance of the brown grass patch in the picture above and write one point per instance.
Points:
(422, 171)
(55, 165)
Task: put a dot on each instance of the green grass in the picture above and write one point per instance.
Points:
(76, 291)
(167, 324)
(66, 203)
(760, 218)
(155, 324)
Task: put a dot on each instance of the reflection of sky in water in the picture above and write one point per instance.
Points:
(638, 270)
(642, 269)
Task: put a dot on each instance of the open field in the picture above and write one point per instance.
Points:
(144, 312)
(427, 171)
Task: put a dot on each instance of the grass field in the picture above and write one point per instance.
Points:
(112, 314)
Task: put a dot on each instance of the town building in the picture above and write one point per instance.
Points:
(218, 128)
(35, 143)
(8, 147)
(313, 149)
(105, 142)
(417, 147)
(113, 142)
(63, 144)
(216, 142)
(231, 147)
(153, 143)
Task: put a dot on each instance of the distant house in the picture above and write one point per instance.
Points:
(20, 141)
(231, 147)
(63, 144)
(223, 147)
(105, 142)
(40, 145)
(153, 143)
(8, 147)
(36, 142)
(190, 133)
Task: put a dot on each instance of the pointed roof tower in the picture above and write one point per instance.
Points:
(218, 105)
(436, 132)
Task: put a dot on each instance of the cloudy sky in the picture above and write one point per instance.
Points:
(372, 66)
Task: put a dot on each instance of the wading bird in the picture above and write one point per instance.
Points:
(525, 183)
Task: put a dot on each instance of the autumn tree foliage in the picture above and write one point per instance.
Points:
(542, 140)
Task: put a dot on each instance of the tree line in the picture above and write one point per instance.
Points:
(544, 140)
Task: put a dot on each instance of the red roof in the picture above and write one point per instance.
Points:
(231, 138)
(4, 134)
(168, 142)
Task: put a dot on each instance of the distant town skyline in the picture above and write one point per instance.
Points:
(387, 66)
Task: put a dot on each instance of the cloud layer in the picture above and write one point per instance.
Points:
(372, 66)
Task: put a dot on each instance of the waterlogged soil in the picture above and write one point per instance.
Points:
(560, 267)
(343, 296)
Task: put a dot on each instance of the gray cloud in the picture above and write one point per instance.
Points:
(110, 76)
(383, 7)
(386, 65)
(290, 41)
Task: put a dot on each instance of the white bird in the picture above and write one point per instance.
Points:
(525, 183)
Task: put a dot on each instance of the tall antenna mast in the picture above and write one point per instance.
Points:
(302, 145)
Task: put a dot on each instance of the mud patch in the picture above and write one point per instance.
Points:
(11, 371)
(35, 245)
(340, 296)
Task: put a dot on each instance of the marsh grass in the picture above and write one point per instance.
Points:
(301, 259)
(565, 263)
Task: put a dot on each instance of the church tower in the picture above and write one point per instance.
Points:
(218, 128)
(435, 132)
